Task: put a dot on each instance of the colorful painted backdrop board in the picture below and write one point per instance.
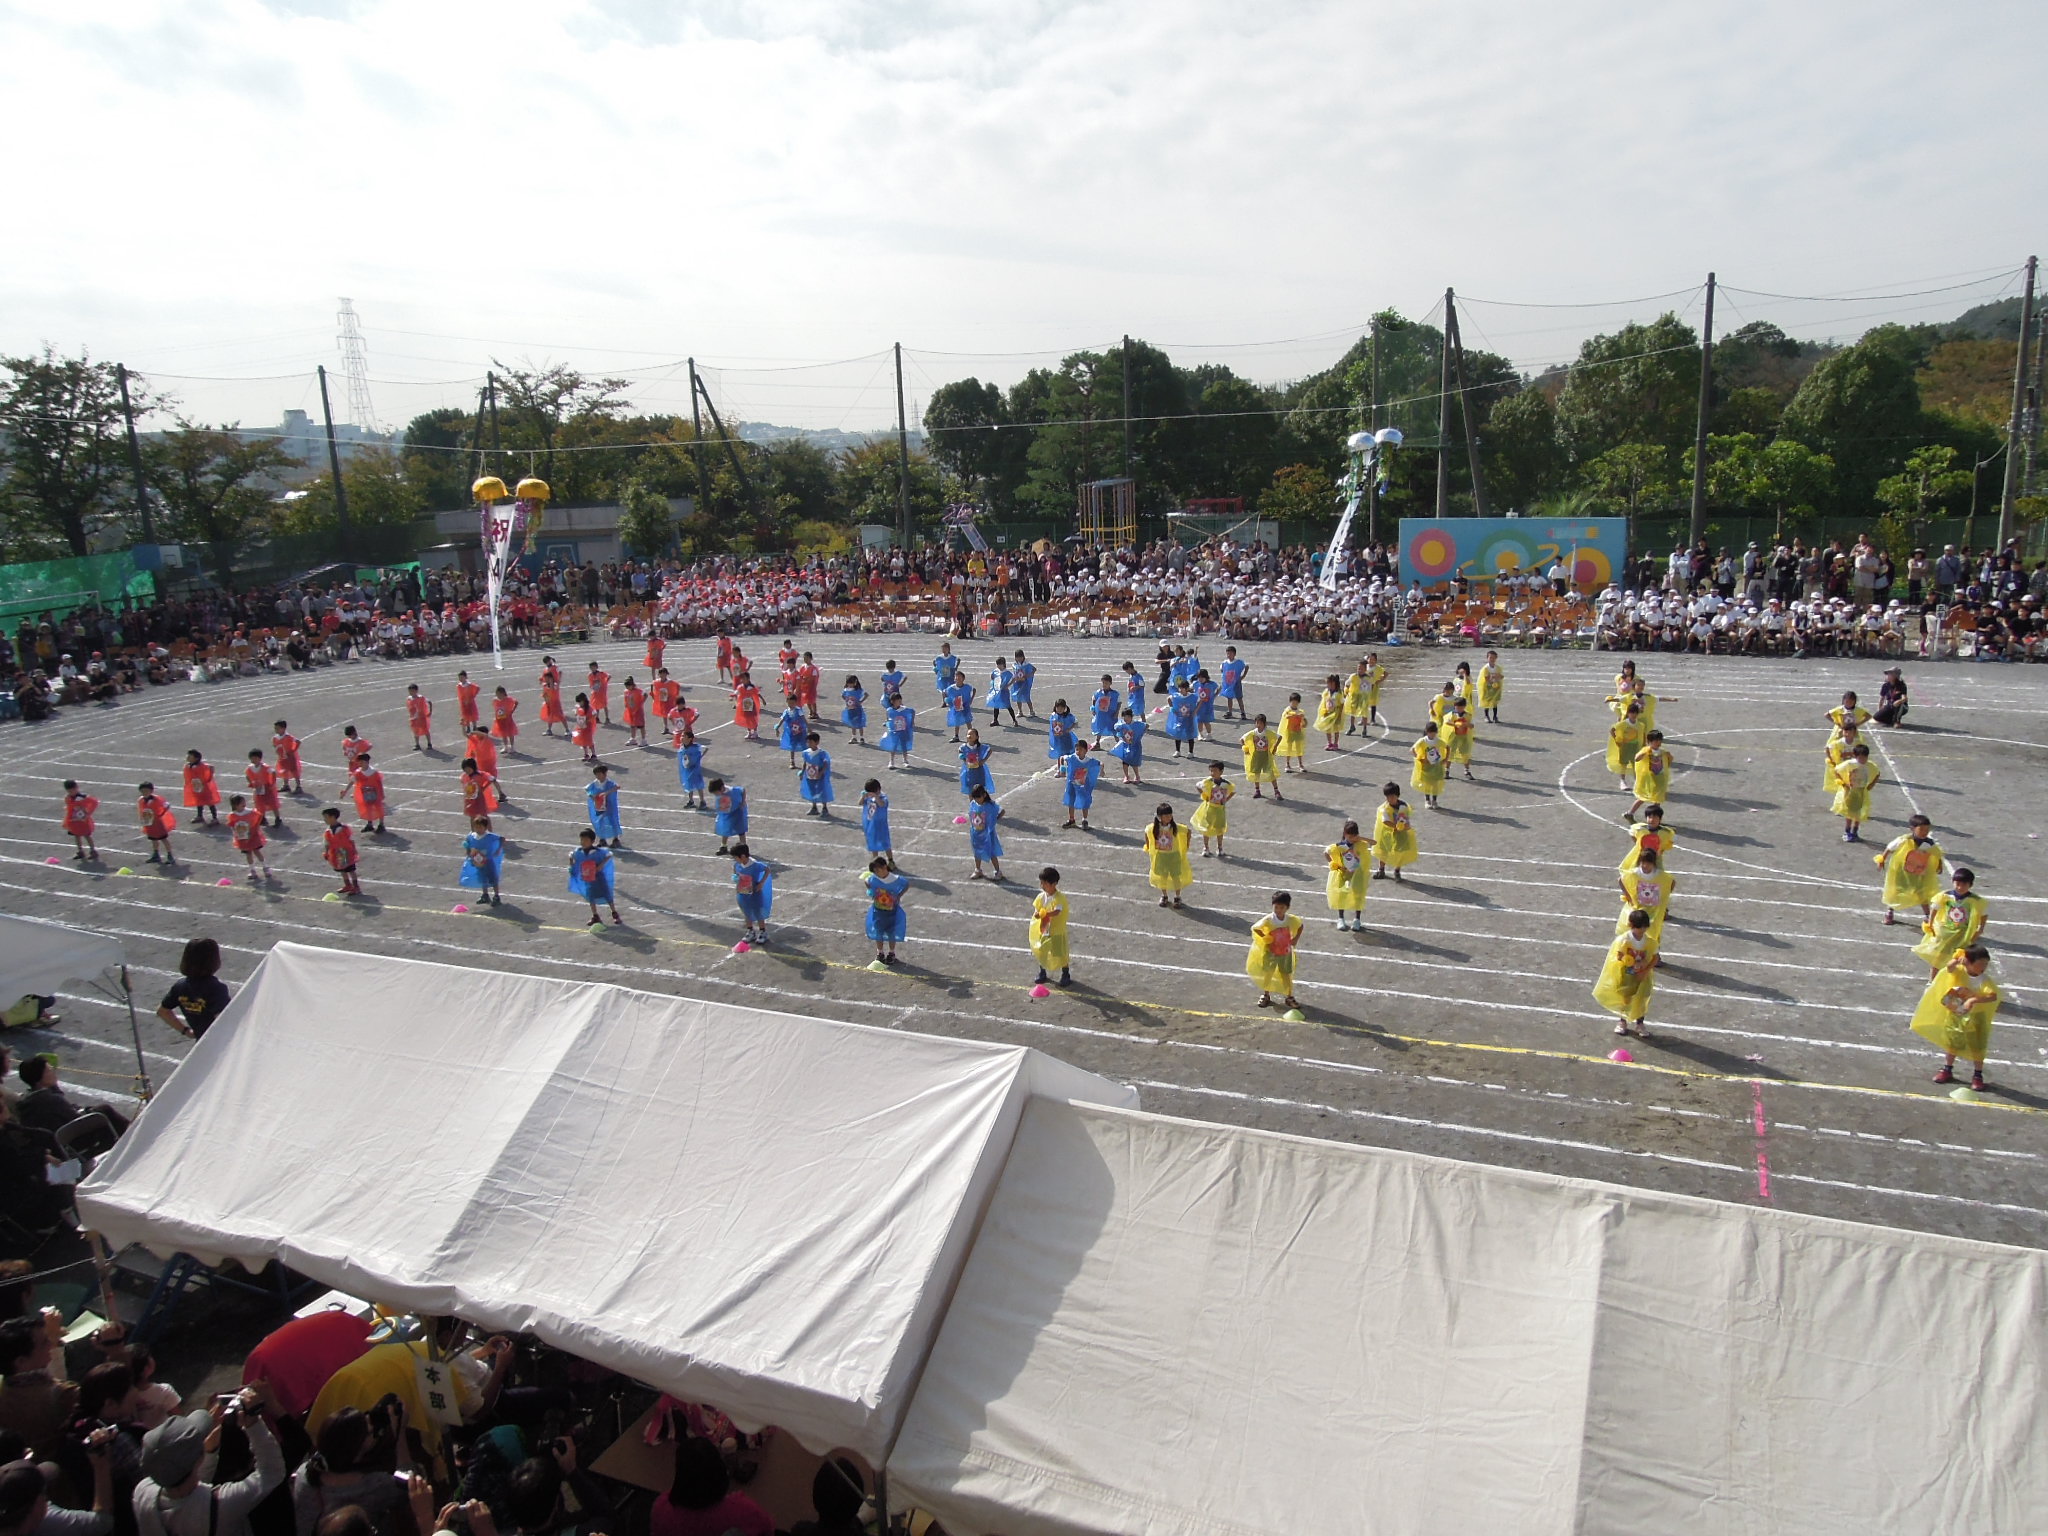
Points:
(1435, 550)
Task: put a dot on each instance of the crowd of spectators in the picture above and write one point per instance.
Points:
(1793, 598)
(1798, 599)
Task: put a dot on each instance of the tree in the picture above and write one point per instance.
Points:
(1861, 408)
(800, 473)
(381, 494)
(1632, 474)
(1227, 447)
(647, 524)
(1928, 478)
(1639, 387)
(868, 481)
(963, 426)
(1524, 461)
(63, 449)
(556, 407)
(434, 460)
(1791, 479)
(217, 488)
(1300, 493)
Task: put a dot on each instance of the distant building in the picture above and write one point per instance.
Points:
(305, 439)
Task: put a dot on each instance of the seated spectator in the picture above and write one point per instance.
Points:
(26, 1193)
(171, 1499)
(35, 1404)
(701, 1500)
(46, 1107)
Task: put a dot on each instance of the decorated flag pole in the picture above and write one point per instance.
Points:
(1366, 449)
(499, 526)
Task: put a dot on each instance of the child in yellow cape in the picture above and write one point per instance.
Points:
(1852, 791)
(1294, 736)
(1649, 835)
(1346, 887)
(1049, 928)
(1955, 920)
(1841, 746)
(1362, 692)
(1956, 1013)
(1653, 774)
(1440, 706)
(1646, 888)
(1624, 741)
(1912, 867)
(1492, 684)
(1261, 748)
(1166, 845)
(1629, 976)
(1271, 961)
(1393, 834)
(1428, 773)
(1847, 715)
(1639, 695)
(1212, 815)
(1330, 711)
(1457, 737)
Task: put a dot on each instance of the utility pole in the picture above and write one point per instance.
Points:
(697, 445)
(1443, 418)
(344, 541)
(1457, 348)
(2019, 400)
(476, 440)
(1126, 371)
(902, 452)
(145, 521)
(1372, 418)
(1699, 438)
(491, 385)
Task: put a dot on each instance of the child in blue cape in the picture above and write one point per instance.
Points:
(982, 816)
(590, 875)
(690, 768)
(790, 730)
(854, 713)
(731, 805)
(1059, 732)
(902, 730)
(603, 797)
(814, 781)
(753, 887)
(874, 821)
(886, 922)
(483, 859)
(974, 758)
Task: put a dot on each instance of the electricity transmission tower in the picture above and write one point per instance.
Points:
(355, 362)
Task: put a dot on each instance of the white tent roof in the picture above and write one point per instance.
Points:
(39, 957)
(1168, 1327)
(757, 1210)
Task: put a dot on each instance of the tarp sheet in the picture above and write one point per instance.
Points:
(742, 1207)
(39, 957)
(61, 585)
(1168, 1327)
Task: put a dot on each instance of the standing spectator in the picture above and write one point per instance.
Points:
(701, 1500)
(172, 1501)
(1948, 571)
(198, 996)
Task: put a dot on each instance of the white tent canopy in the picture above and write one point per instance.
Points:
(38, 957)
(1167, 1327)
(742, 1207)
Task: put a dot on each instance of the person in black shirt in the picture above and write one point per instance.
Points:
(197, 997)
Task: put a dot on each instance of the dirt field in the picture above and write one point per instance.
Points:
(1460, 1023)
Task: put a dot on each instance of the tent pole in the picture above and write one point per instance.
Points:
(103, 1265)
(135, 1031)
(882, 1501)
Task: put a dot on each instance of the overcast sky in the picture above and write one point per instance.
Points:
(619, 183)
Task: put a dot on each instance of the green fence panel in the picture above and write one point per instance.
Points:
(59, 586)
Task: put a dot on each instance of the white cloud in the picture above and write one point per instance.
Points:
(802, 178)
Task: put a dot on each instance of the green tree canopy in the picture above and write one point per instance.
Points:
(1639, 387)
(218, 488)
(1861, 407)
(63, 450)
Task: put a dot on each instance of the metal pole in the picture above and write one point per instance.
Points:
(697, 444)
(2028, 484)
(1443, 418)
(1125, 369)
(1465, 405)
(491, 388)
(1699, 440)
(135, 1030)
(1372, 419)
(145, 521)
(902, 454)
(2019, 396)
(334, 468)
